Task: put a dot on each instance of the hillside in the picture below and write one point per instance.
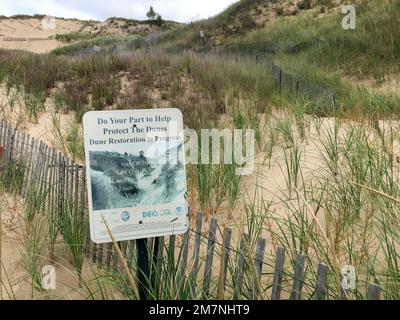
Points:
(247, 16)
(309, 33)
(28, 33)
(31, 34)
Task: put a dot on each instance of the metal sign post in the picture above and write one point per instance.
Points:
(143, 270)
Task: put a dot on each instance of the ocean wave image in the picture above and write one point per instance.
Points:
(130, 180)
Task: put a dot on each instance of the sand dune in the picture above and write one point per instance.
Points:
(33, 34)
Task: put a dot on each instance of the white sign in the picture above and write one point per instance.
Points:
(350, 18)
(49, 277)
(201, 34)
(349, 278)
(136, 173)
(49, 23)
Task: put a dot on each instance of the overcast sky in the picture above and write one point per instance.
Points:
(178, 10)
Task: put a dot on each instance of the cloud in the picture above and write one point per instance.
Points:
(178, 10)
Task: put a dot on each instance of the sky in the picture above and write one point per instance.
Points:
(178, 10)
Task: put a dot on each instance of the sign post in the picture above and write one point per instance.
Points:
(136, 178)
(202, 37)
(143, 270)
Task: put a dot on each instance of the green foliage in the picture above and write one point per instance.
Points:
(151, 14)
(74, 36)
(74, 230)
(159, 20)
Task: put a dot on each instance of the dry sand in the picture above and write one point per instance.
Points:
(17, 281)
(32, 35)
(268, 183)
(42, 128)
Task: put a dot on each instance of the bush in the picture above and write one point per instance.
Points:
(305, 4)
(247, 22)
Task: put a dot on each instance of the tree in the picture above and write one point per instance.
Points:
(151, 14)
(159, 20)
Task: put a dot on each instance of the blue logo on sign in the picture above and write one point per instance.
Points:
(179, 211)
(155, 213)
(125, 216)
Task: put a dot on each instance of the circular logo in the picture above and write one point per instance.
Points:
(179, 211)
(125, 216)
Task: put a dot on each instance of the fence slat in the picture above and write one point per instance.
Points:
(84, 217)
(22, 147)
(226, 246)
(60, 184)
(43, 174)
(183, 263)
(1, 132)
(374, 292)
(108, 255)
(115, 257)
(66, 185)
(76, 194)
(322, 281)
(9, 151)
(36, 163)
(298, 277)
(258, 264)
(31, 165)
(240, 267)
(196, 255)
(100, 255)
(94, 252)
(124, 245)
(278, 274)
(209, 257)
(51, 184)
(16, 155)
(27, 155)
(71, 188)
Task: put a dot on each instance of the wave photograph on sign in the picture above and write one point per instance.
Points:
(130, 180)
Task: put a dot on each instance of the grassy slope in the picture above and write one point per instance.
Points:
(345, 60)
(371, 49)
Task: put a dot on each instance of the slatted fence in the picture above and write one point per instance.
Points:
(203, 263)
(284, 80)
